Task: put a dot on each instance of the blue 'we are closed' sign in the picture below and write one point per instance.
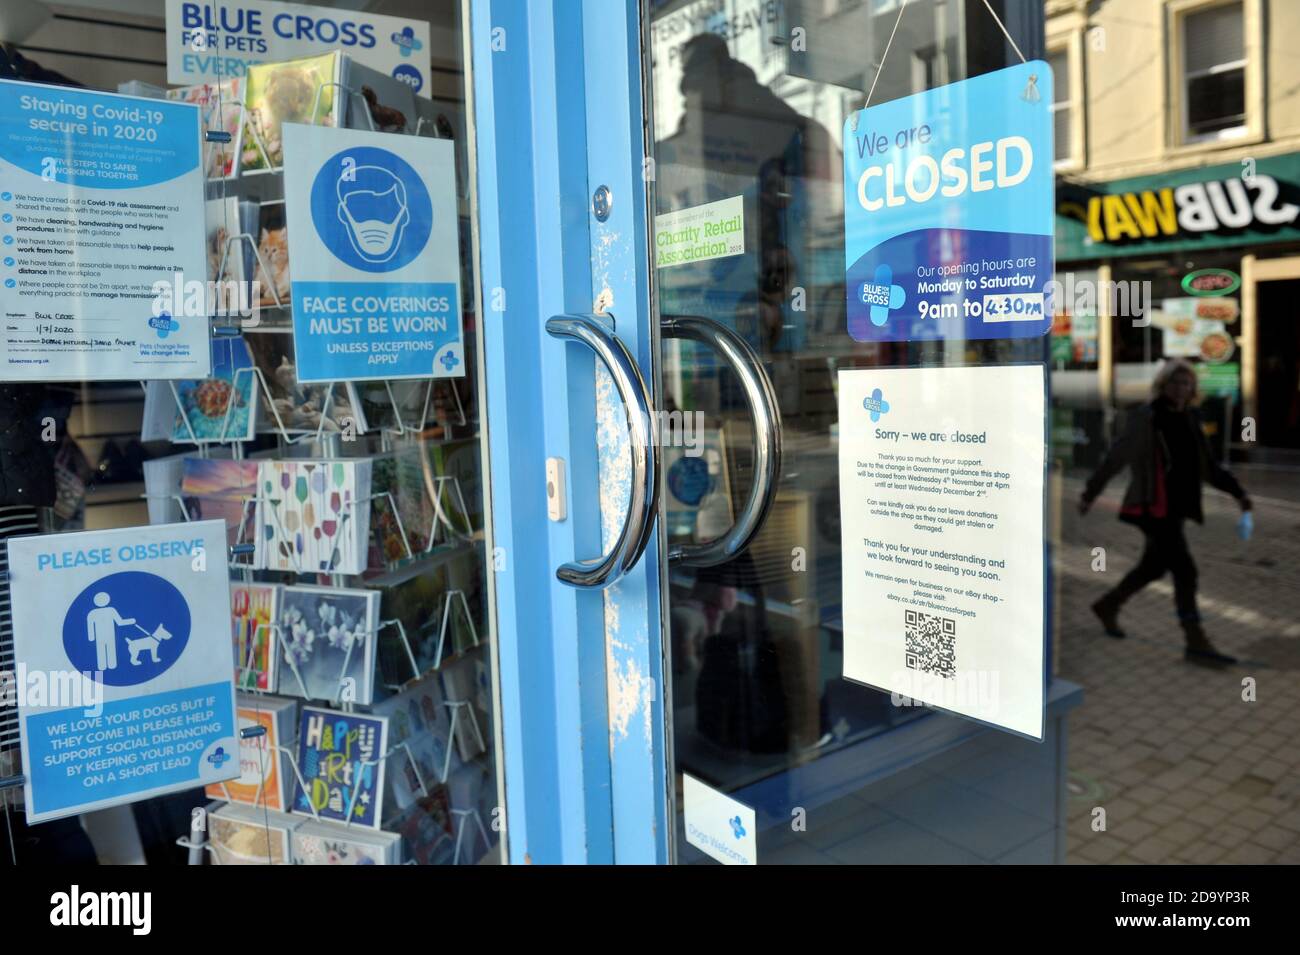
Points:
(948, 214)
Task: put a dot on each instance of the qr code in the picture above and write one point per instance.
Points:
(931, 643)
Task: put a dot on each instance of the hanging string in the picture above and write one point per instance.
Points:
(1030, 93)
(898, 19)
(998, 20)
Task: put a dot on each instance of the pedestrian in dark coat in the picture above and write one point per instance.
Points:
(1168, 457)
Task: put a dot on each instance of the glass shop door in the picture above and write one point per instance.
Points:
(815, 576)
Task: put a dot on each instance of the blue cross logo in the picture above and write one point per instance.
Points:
(737, 828)
(449, 360)
(406, 41)
(218, 757)
(882, 295)
(164, 324)
(876, 404)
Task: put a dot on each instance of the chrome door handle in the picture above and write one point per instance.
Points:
(644, 495)
(761, 396)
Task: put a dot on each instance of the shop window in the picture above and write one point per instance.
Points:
(925, 68)
(1214, 72)
(300, 646)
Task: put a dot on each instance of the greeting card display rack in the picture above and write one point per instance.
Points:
(443, 491)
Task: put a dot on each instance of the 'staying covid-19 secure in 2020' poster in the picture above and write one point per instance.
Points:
(101, 204)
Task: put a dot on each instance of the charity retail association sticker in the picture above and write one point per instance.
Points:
(948, 215)
(714, 230)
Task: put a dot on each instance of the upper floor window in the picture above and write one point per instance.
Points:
(1062, 105)
(1214, 72)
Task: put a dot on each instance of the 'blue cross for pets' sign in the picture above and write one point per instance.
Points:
(948, 211)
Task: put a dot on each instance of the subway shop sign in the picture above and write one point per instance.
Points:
(1241, 204)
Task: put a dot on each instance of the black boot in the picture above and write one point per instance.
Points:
(1200, 650)
(1107, 611)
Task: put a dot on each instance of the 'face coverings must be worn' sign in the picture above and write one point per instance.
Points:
(374, 255)
(125, 671)
(948, 211)
(941, 507)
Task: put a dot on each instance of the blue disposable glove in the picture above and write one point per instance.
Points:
(1246, 525)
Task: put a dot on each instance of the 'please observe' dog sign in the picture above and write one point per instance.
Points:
(124, 676)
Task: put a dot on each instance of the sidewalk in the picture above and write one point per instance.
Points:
(1185, 769)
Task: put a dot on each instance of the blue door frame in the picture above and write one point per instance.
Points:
(557, 104)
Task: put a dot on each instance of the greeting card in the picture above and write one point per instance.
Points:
(254, 610)
(222, 407)
(162, 487)
(393, 405)
(225, 489)
(220, 105)
(339, 755)
(314, 515)
(460, 683)
(403, 475)
(225, 258)
(294, 91)
(327, 643)
(461, 500)
(473, 799)
(272, 271)
(329, 843)
(417, 718)
(295, 407)
(243, 835)
(426, 829)
(264, 771)
(158, 416)
(448, 584)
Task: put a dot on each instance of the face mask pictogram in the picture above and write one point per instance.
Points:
(373, 207)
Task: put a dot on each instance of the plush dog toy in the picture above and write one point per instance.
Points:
(387, 119)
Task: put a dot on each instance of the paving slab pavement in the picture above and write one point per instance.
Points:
(1186, 767)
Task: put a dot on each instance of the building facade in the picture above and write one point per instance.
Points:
(1178, 163)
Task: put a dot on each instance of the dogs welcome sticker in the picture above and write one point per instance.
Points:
(948, 216)
(124, 676)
